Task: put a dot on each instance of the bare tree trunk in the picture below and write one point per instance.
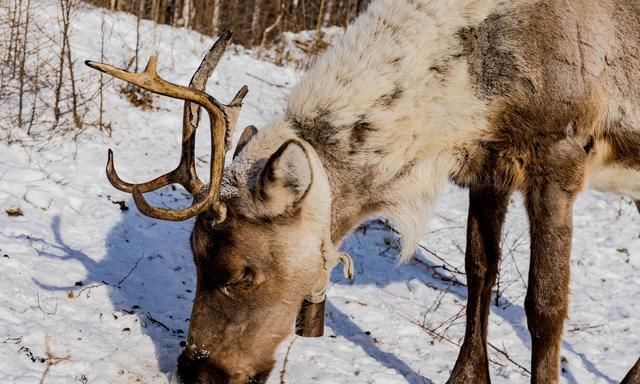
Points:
(215, 20)
(326, 20)
(304, 15)
(23, 61)
(58, 90)
(3, 65)
(155, 11)
(282, 14)
(233, 15)
(66, 7)
(255, 20)
(16, 46)
(247, 18)
(35, 99)
(186, 13)
(176, 13)
(319, 24)
(101, 80)
(320, 12)
(12, 29)
(270, 28)
(74, 94)
(138, 17)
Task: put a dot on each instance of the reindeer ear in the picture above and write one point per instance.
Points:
(285, 179)
(246, 136)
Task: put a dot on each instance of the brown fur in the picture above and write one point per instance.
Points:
(246, 277)
(633, 377)
(553, 72)
(487, 208)
(244, 285)
(559, 80)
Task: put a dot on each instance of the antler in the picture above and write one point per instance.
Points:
(222, 119)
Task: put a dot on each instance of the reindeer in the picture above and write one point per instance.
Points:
(539, 97)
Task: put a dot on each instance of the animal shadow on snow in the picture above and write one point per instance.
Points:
(373, 247)
(147, 270)
(149, 274)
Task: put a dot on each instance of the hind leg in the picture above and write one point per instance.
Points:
(551, 188)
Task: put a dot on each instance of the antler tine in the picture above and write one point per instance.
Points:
(175, 176)
(185, 174)
(239, 97)
(191, 111)
(220, 116)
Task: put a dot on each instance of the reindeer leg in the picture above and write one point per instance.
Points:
(633, 377)
(546, 302)
(552, 184)
(487, 209)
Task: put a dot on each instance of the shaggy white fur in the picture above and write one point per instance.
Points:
(401, 47)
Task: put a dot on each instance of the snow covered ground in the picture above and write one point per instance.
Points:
(109, 291)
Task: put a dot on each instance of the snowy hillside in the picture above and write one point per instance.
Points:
(98, 293)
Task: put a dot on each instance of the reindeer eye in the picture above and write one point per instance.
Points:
(245, 279)
(248, 276)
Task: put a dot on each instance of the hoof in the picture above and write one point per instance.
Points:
(469, 373)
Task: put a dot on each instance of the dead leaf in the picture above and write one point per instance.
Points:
(14, 211)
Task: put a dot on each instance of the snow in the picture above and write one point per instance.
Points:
(112, 289)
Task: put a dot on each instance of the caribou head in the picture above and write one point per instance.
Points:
(261, 240)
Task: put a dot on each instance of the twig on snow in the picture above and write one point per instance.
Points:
(118, 284)
(266, 81)
(506, 356)
(446, 266)
(51, 359)
(157, 322)
(55, 309)
(440, 276)
(88, 288)
(283, 372)
(450, 321)
(580, 328)
(12, 340)
(523, 370)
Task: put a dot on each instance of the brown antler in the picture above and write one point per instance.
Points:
(222, 118)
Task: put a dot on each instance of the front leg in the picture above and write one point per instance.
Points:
(487, 209)
(633, 377)
(552, 185)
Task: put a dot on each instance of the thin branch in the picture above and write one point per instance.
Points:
(51, 358)
(524, 371)
(283, 372)
(265, 81)
(447, 266)
(157, 322)
(506, 356)
(118, 284)
(55, 309)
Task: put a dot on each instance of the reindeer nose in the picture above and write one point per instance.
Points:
(187, 369)
(260, 379)
(195, 369)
